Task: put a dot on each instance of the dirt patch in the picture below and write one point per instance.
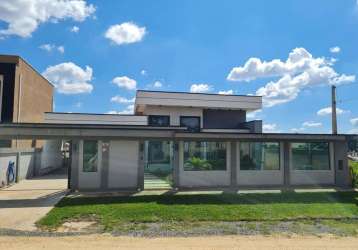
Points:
(78, 226)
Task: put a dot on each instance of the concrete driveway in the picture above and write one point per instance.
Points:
(22, 204)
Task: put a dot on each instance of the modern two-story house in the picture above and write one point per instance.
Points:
(188, 140)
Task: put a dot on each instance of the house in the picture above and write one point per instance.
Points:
(173, 140)
(192, 141)
(25, 96)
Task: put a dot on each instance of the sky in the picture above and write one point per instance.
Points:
(290, 52)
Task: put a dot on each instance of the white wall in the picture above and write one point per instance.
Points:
(198, 100)
(51, 156)
(89, 180)
(123, 164)
(175, 113)
(27, 165)
(204, 178)
(313, 177)
(260, 177)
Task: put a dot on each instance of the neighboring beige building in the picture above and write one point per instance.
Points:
(25, 95)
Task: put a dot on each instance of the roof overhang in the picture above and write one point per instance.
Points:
(197, 100)
(112, 132)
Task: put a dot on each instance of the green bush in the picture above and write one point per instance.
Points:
(354, 172)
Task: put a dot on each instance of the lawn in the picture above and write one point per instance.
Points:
(111, 212)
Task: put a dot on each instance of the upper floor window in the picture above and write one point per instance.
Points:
(159, 120)
(191, 122)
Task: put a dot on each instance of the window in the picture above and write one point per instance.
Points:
(5, 143)
(310, 156)
(159, 120)
(191, 122)
(204, 156)
(259, 156)
(90, 156)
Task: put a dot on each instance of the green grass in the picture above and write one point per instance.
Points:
(113, 211)
(354, 172)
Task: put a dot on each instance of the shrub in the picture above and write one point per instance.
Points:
(354, 172)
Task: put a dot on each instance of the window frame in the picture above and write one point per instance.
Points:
(150, 123)
(190, 117)
(263, 167)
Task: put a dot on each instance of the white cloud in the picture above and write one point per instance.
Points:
(143, 72)
(270, 128)
(78, 104)
(200, 88)
(47, 47)
(120, 99)
(297, 130)
(128, 111)
(354, 122)
(69, 78)
(75, 29)
(61, 49)
(299, 71)
(125, 82)
(328, 111)
(125, 33)
(50, 47)
(157, 84)
(335, 49)
(226, 92)
(306, 125)
(24, 16)
(253, 114)
(312, 124)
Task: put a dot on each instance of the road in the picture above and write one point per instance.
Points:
(198, 243)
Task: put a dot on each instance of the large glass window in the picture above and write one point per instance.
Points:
(191, 122)
(310, 156)
(159, 120)
(204, 156)
(90, 156)
(259, 156)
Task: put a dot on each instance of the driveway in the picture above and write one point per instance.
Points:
(22, 204)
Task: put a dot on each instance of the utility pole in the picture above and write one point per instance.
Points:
(334, 111)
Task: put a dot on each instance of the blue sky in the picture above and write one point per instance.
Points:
(172, 45)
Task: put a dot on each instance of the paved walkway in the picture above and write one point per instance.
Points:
(154, 182)
(22, 204)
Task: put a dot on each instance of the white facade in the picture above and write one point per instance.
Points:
(176, 99)
(123, 164)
